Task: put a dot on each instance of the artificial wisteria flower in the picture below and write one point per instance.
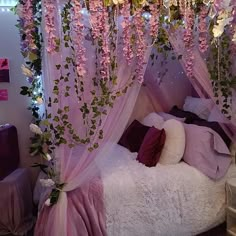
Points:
(95, 9)
(127, 32)
(27, 21)
(100, 31)
(35, 129)
(188, 41)
(140, 44)
(50, 29)
(26, 71)
(154, 21)
(105, 56)
(48, 183)
(78, 39)
(203, 31)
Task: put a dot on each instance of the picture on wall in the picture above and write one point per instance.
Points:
(4, 70)
(3, 95)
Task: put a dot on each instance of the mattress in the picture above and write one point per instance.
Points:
(164, 200)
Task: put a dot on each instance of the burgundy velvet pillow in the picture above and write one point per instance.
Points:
(133, 136)
(151, 148)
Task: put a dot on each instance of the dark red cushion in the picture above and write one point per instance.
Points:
(151, 148)
(133, 136)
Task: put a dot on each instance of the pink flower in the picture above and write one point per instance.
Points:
(127, 33)
(154, 21)
(78, 38)
(140, 44)
(50, 25)
(189, 41)
(203, 31)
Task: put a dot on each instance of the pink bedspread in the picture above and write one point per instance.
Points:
(85, 213)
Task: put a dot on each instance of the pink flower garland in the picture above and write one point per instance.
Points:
(189, 41)
(127, 32)
(182, 6)
(95, 8)
(50, 25)
(154, 21)
(140, 44)
(203, 32)
(27, 17)
(105, 60)
(100, 31)
(78, 38)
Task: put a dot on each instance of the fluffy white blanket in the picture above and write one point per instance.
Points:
(168, 200)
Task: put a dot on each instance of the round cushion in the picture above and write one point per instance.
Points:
(174, 146)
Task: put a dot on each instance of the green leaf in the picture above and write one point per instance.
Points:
(32, 56)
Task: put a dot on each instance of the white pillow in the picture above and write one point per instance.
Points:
(174, 146)
(200, 106)
(153, 119)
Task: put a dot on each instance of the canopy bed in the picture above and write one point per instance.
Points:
(110, 172)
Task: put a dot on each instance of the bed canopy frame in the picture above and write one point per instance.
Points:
(92, 63)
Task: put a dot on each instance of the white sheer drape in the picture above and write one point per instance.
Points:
(78, 165)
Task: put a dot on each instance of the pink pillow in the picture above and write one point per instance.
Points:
(151, 148)
(206, 151)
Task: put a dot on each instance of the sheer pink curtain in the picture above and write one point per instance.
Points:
(78, 165)
(201, 81)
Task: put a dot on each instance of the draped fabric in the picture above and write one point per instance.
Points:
(202, 84)
(77, 165)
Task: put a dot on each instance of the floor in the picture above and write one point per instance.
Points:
(218, 231)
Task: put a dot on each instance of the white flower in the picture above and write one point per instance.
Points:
(26, 71)
(223, 20)
(118, 2)
(48, 202)
(39, 100)
(218, 30)
(47, 183)
(35, 129)
(48, 157)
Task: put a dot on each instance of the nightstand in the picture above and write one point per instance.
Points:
(231, 206)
